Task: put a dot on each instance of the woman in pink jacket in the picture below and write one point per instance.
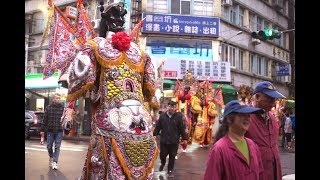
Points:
(234, 157)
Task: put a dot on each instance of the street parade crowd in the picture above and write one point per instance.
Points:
(119, 78)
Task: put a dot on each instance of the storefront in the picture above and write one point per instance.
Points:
(39, 92)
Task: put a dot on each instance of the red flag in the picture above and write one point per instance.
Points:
(62, 50)
(84, 27)
(176, 88)
(135, 31)
(218, 98)
(66, 39)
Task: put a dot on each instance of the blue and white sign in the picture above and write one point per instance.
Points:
(180, 25)
(283, 70)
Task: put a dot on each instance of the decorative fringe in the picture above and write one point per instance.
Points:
(154, 105)
(81, 92)
(149, 87)
(88, 162)
(104, 152)
(120, 158)
(149, 168)
(49, 22)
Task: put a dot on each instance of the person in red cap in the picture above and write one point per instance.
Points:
(233, 156)
(264, 129)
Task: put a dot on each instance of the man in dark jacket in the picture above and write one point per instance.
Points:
(170, 127)
(52, 125)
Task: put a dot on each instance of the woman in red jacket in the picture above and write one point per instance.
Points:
(234, 157)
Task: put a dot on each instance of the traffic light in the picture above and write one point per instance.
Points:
(272, 33)
(267, 34)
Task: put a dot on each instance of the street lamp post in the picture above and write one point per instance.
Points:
(226, 40)
(238, 33)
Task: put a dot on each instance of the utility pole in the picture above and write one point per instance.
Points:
(291, 25)
(26, 53)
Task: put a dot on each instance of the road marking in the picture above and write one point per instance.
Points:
(44, 148)
(36, 149)
(62, 146)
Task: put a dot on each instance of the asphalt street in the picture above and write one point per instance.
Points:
(188, 166)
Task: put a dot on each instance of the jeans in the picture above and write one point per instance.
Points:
(54, 138)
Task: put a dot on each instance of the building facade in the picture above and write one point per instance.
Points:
(177, 42)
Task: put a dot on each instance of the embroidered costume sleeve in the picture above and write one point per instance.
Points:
(82, 73)
(212, 112)
(195, 105)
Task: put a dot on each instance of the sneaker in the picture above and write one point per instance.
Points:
(161, 167)
(184, 150)
(176, 157)
(170, 174)
(50, 161)
(54, 165)
(201, 145)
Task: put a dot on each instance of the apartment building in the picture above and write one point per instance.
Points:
(209, 37)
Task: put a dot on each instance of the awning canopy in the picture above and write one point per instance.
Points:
(36, 81)
(290, 104)
(226, 88)
(170, 81)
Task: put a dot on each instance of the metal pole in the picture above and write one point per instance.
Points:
(26, 53)
(287, 30)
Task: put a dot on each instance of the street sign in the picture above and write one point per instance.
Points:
(180, 25)
(283, 70)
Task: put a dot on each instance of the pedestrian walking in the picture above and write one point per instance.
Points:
(170, 127)
(264, 129)
(288, 131)
(233, 156)
(52, 125)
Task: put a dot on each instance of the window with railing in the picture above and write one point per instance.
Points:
(259, 23)
(38, 22)
(258, 64)
(233, 55)
(157, 6)
(241, 17)
(234, 14)
(239, 64)
(203, 7)
(252, 22)
(180, 7)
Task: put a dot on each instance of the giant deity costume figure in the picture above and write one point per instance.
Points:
(203, 113)
(183, 90)
(119, 79)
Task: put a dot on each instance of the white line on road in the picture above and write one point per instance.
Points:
(45, 149)
(62, 146)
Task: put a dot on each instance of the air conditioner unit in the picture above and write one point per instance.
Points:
(227, 3)
(287, 79)
(95, 23)
(255, 41)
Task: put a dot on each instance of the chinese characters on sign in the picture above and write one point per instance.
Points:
(280, 54)
(283, 70)
(216, 71)
(177, 24)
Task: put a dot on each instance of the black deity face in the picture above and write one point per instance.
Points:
(114, 15)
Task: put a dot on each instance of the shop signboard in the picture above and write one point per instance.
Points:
(283, 70)
(183, 54)
(180, 25)
(36, 81)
